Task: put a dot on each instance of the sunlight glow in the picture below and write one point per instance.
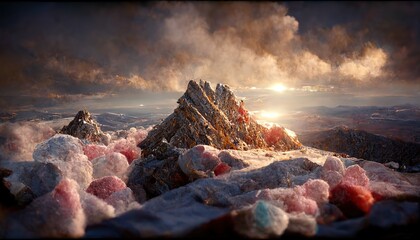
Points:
(269, 114)
(278, 88)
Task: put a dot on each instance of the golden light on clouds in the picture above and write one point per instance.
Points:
(368, 66)
(311, 65)
(246, 45)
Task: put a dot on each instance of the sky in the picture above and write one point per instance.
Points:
(113, 53)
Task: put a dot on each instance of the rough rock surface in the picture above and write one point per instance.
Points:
(7, 199)
(214, 118)
(151, 177)
(57, 148)
(83, 126)
(41, 178)
(66, 152)
(388, 184)
(53, 215)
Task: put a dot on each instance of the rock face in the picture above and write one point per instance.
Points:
(7, 198)
(57, 214)
(83, 126)
(40, 177)
(152, 177)
(213, 118)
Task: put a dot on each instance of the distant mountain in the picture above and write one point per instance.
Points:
(361, 144)
(400, 122)
(30, 115)
(397, 112)
(109, 121)
(83, 126)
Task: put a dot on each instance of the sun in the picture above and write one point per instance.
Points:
(278, 88)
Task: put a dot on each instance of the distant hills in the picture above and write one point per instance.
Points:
(401, 122)
(361, 144)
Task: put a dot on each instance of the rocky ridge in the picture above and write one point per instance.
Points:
(214, 118)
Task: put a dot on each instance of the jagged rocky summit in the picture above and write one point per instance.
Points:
(83, 126)
(215, 118)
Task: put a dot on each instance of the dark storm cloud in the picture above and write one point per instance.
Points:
(62, 49)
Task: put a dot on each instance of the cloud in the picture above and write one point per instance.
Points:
(73, 48)
(365, 67)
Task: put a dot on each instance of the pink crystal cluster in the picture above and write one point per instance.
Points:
(91, 189)
(274, 135)
(300, 199)
(67, 210)
(349, 187)
(202, 161)
(104, 187)
(126, 146)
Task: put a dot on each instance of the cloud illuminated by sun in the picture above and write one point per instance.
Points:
(278, 88)
(269, 114)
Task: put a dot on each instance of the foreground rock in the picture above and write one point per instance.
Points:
(217, 119)
(29, 180)
(152, 177)
(53, 215)
(83, 126)
(65, 212)
(7, 199)
(66, 153)
(300, 193)
(263, 194)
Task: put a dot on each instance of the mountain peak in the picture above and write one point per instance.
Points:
(214, 118)
(83, 126)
